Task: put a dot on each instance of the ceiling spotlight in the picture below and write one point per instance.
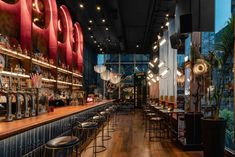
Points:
(162, 27)
(167, 15)
(92, 36)
(95, 41)
(149, 83)
(148, 78)
(151, 64)
(103, 20)
(101, 49)
(89, 28)
(98, 8)
(137, 46)
(149, 71)
(155, 60)
(81, 5)
(162, 42)
(98, 45)
(167, 23)
(90, 21)
(106, 28)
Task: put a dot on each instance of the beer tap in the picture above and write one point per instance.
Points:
(18, 113)
(33, 105)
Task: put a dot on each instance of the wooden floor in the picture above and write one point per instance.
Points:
(128, 141)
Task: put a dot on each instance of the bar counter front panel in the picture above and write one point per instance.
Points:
(27, 137)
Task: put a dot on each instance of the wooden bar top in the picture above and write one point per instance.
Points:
(8, 129)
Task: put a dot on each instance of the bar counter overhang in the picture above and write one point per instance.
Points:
(26, 135)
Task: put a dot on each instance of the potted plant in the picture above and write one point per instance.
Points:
(213, 127)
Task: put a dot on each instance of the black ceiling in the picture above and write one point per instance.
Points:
(129, 22)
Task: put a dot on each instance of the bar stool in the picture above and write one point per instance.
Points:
(86, 128)
(148, 115)
(106, 114)
(63, 143)
(156, 126)
(101, 123)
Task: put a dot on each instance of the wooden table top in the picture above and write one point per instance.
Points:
(8, 129)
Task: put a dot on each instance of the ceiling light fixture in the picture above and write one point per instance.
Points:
(161, 64)
(159, 37)
(106, 28)
(167, 23)
(150, 75)
(155, 60)
(98, 8)
(167, 15)
(154, 80)
(81, 5)
(179, 73)
(157, 78)
(163, 41)
(89, 28)
(95, 41)
(149, 71)
(151, 64)
(92, 36)
(163, 73)
(149, 83)
(162, 27)
(90, 21)
(103, 20)
(137, 46)
(101, 49)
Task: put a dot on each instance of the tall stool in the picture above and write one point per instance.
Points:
(106, 114)
(101, 123)
(156, 126)
(148, 115)
(86, 128)
(63, 143)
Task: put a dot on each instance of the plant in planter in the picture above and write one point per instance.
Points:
(220, 60)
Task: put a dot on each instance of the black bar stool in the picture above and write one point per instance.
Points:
(64, 144)
(88, 132)
(106, 114)
(101, 123)
(156, 126)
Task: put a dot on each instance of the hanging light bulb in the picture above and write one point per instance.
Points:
(99, 68)
(115, 78)
(151, 64)
(149, 83)
(149, 71)
(161, 64)
(148, 78)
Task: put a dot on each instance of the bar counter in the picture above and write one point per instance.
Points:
(8, 129)
(27, 137)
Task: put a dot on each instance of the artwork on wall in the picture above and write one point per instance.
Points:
(43, 26)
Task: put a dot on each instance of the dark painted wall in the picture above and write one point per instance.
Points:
(89, 75)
